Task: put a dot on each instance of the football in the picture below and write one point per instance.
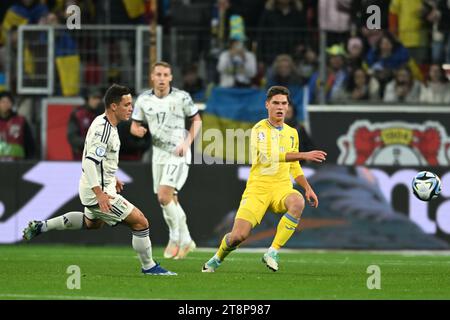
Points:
(426, 186)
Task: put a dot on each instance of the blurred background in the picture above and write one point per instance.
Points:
(371, 88)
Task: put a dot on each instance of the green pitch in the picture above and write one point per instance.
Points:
(40, 272)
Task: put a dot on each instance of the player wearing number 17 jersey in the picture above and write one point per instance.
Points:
(164, 109)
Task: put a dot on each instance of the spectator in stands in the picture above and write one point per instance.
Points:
(388, 55)
(306, 62)
(360, 87)
(439, 17)
(336, 75)
(355, 54)
(283, 73)
(371, 37)
(16, 139)
(192, 83)
(437, 86)
(407, 20)
(132, 148)
(403, 88)
(282, 23)
(221, 12)
(80, 120)
(237, 65)
(334, 18)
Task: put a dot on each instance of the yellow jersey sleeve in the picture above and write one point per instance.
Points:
(295, 169)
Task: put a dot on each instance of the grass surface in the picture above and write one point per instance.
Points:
(39, 272)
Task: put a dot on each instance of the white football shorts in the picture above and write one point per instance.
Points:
(171, 174)
(120, 207)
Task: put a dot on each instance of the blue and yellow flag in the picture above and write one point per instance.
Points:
(229, 116)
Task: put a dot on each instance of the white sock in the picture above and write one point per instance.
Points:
(69, 221)
(143, 246)
(170, 213)
(185, 236)
(272, 249)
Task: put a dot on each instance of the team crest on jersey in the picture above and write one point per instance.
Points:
(172, 108)
(261, 136)
(100, 151)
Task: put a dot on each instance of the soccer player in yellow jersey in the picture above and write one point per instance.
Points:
(275, 158)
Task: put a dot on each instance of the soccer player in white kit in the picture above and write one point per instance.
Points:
(165, 109)
(99, 188)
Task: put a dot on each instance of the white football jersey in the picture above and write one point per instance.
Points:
(102, 145)
(166, 120)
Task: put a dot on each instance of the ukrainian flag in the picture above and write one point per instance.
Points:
(67, 64)
(228, 118)
(18, 15)
(135, 8)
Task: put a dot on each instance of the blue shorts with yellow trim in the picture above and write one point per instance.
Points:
(256, 201)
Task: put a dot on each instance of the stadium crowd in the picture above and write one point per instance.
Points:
(257, 44)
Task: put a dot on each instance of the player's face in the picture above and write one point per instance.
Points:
(277, 107)
(161, 78)
(124, 109)
(5, 105)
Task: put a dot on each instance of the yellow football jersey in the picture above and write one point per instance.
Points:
(269, 146)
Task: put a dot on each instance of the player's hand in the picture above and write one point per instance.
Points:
(311, 198)
(314, 156)
(103, 202)
(182, 149)
(119, 185)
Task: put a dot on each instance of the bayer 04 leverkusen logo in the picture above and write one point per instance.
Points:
(395, 143)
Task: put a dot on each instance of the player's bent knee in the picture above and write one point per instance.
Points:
(141, 223)
(136, 220)
(92, 224)
(296, 207)
(164, 198)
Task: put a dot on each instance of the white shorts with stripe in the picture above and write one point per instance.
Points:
(171, 174)
(120, 207)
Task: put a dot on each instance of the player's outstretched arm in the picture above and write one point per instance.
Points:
(137, 130)
(314, 156)
(310, 195)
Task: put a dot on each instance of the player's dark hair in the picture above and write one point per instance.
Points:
(114, 94)
(161, 64)
(273, 91)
